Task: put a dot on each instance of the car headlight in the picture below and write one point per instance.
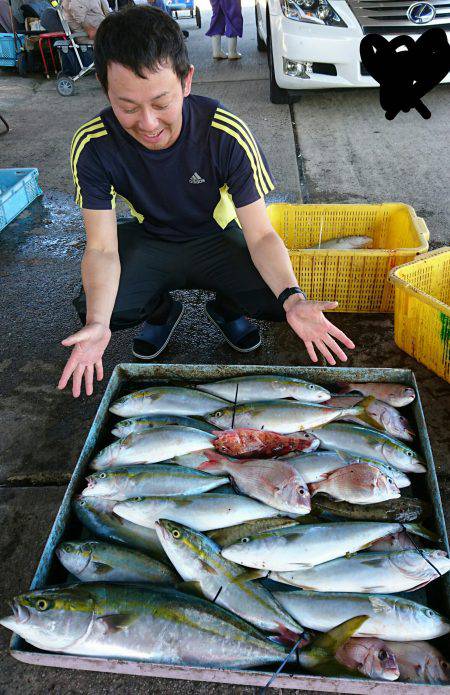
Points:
(312, 11)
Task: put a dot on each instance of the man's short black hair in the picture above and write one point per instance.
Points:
(140, 37)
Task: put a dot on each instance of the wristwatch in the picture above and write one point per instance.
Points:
(287, 293)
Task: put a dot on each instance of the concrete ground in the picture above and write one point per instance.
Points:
(346, 152)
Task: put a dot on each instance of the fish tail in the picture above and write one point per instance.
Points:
(323, 648)
(419, 530)
(360, 411)
(216, 463)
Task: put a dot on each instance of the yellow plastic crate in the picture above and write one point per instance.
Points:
(357, 279)
(422, 310)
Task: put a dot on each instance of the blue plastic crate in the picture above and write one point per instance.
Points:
(10, 49)
(18, 188)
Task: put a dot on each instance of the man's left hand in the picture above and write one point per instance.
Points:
(306, 318)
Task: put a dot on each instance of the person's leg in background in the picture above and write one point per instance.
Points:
(217, 29)
(149, 269)
(234, 24)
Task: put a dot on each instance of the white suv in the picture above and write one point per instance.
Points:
(314, 44)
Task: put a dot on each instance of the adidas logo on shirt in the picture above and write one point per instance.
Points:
(196, 178)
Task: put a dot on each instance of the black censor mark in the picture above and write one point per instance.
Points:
(406, 69)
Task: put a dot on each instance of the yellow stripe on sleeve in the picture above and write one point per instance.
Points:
(83, 143)
(245, 147)
(89, 126)
(243, 127)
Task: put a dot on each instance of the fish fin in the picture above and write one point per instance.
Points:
(419, 530)
(320, 654)
(207, 568)
(251, 575)
(117, 621)
(288, 637)
(101, 567)
(214, 464)
(379, 605)
(314, 487)
(361, 411)
(419, 586)
(192, 588)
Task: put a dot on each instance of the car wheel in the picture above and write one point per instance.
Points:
(276, 93)
(260, 43)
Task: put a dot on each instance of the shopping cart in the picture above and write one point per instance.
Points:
(191, 7)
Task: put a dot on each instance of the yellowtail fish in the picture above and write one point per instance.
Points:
(390, 617)
(160, 400)
(283, 417)
(197, 559)
(96, 561)
(268, 387)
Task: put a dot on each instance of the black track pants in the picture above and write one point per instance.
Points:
(150, 268)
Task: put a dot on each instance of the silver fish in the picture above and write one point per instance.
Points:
(305, 545)
(420, 662)
(345, 243)
(202, 512)
(389, 616)
(149, 479)
(315, 465)
(266, 387)
(166, 399)
(388, 417)
(129, 621)
(366, 442)
(133, 425)
(302, 546)
(96, 514)
(375, 573)
(153, 446)
(280, 416)
(95, 561)
(197, 559)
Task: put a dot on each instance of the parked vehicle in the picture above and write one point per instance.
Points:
(314, 44)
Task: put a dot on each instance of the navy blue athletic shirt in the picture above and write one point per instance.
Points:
(187, 190)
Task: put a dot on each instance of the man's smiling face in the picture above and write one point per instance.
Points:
(149, 108)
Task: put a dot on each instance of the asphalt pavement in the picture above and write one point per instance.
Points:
(331, 146)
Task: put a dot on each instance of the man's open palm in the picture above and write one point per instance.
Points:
(89, 345)
(306, 318)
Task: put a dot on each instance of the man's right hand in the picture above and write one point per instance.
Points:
(89, 345)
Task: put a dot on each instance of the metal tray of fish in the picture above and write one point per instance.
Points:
(129, 377)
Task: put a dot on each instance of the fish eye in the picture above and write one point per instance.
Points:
(390, 480)
(311, 387)
(302, 491)
(382, 655)
(409, 453)
(82, 503)
(218, 413)
(176, 533)
(67, 547)
(429, 613)
(223, 448)
(102, 475)
(245, 540)
(41, 604)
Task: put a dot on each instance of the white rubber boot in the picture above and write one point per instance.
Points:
(232, 49)
(218, 54)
